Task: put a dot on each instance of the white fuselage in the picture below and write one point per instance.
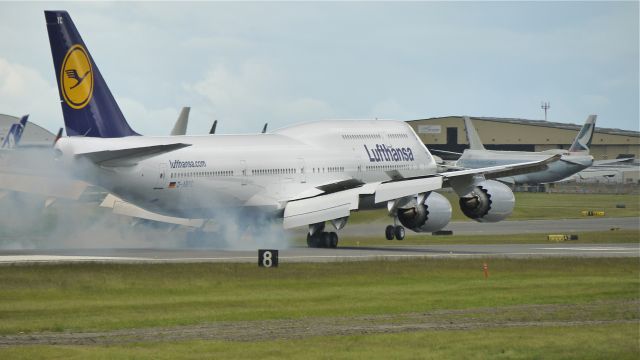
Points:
(262, 171)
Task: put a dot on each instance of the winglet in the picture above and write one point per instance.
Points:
(582, 142)
(472, 135)
(180, 128)
(213, 127)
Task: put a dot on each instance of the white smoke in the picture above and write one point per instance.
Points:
(33, 221)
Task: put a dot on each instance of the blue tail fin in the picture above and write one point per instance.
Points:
(15, 133)
(88, 107)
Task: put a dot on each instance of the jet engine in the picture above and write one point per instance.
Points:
(431, 214)
(490, 201)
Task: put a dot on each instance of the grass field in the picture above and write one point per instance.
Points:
(592, 306)
(539, 206)
(562, 342)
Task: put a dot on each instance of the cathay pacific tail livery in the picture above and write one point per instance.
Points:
(302, 175)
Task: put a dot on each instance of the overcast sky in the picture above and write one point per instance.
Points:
(284, 63)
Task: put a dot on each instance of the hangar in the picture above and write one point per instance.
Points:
(33, 135)
(448, 134)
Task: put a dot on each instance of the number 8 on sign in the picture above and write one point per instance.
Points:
(268, 258)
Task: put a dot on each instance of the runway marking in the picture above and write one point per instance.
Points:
(52, 258)
(591, 248)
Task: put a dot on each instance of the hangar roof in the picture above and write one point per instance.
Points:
(543, 123)
(33, 135)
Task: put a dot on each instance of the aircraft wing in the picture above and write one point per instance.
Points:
(612, 161)
(129, 156)
(494, 172)
(330, 206)
(445, 152)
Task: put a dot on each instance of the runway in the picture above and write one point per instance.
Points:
(303, 254)
(512, 227)
(393, 251)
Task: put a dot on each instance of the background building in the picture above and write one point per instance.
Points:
(447, 133)
(33, 135)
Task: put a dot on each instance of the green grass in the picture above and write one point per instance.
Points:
(538, 206)
(595, 237)
(82, 297)
(617, 341)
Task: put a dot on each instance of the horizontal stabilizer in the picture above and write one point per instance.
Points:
(122, 207)
(129, 156)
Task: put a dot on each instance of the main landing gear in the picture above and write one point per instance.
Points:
(318, 238)
(394, 232)
(323, 239)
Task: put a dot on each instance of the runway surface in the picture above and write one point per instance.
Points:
(395, 250)
(512, 227)
(303, 254)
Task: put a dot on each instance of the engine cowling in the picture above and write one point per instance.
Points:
(490, 201)
(432, 214)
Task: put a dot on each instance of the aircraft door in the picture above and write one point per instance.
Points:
(161, 179)
(302, 170)
(243, 172)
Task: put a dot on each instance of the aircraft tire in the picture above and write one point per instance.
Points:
(334, 240)
(399, 232)
(314, 241)
(389, 232)
(325, 240)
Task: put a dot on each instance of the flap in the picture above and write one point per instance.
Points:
(320, 208)
(398, 189)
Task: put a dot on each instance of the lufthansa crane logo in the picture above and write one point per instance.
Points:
(76, 77)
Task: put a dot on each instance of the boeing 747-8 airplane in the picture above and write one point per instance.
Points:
(305, 175)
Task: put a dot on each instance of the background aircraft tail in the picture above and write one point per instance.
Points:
(15, 133)
(472, 135)
(88, 106)
(180, 127)
(583, 140)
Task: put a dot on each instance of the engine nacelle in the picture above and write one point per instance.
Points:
(490, 201)
(432, 214)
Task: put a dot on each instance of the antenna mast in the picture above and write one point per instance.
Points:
(545, 106)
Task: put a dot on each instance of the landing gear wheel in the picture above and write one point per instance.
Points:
(309, 241)
(314, 241)
(389, 232)
(325, 241)
(399, 232)
(333, 243)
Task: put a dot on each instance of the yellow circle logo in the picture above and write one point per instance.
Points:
(76, 77)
